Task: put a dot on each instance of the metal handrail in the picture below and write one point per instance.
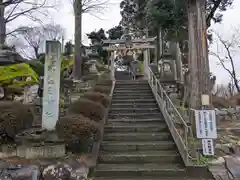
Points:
(165, 103)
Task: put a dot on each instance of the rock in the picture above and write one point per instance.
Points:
(219, 172)
(238, 108)
(68, 169)
(79, 169)
(18, 172)
(219, 160)
(73, 170)
(236, 149)
(233, 165)
(224, 148)
(227, 114)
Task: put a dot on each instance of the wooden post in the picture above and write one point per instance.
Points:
(51, 86)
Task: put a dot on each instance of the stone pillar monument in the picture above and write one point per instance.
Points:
(51, 86)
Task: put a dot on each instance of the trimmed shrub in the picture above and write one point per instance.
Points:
(78, 132)
(101, 67)
(92, 110)
(14, 118)
(104, 82)
(97, 97)
(90, 77)
(102, 89)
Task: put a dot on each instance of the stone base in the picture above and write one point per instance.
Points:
(41, 151)
(39, 143)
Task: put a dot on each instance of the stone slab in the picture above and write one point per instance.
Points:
(42, 151)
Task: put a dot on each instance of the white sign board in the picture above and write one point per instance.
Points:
(206, 124)
(208, 147)
(51, 87)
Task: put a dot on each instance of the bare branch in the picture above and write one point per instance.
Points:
(229, 47)
(34, 37)
(222, 61)
(30, 9)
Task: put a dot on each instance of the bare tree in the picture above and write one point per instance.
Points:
(34, 37)
(80, 7)
(11, 10)
(223, 91)
(227, 58)
(53, 32)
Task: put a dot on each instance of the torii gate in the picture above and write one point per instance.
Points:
(136, 44)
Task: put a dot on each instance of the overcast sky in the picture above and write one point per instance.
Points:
(225, 29)
(107, 20)
(111, 17)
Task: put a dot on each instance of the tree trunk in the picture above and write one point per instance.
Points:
(78, 62)
(198, 58)
(237, 85)
(2, 24)
(192, 58)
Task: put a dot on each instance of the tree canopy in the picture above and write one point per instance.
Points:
(170, 15)
(115, 32)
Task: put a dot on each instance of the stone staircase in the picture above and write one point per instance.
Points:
(123, 75)
(137, 144)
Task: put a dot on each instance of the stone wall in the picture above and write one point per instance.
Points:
(228, 114)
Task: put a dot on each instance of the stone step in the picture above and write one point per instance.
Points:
(139, 127)
(136, 146)
(151, 178)
(128, 121)
(136, 136)
(139, 170)
(134, 115)
(159, 157)
(137, 90)
(130, 95)
(136, 110)
(132, 82)
(131, 85)
(134, 97)
(131, 105)
(133, 101)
